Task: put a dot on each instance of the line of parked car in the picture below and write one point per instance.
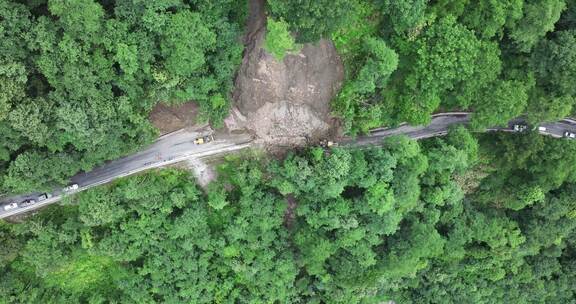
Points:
(40, 198)
(523, 127)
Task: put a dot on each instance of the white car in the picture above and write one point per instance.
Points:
(542, 129)
(519, 128)
(10, 206)
(568, 134)
(71, 188)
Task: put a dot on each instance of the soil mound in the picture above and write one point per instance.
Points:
(171, 118)
(288, 102)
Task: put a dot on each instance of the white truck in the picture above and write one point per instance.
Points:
(71, 187)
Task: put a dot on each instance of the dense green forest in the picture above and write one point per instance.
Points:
(466, 218)
(406, 59)
(451, 220)
(79, 77)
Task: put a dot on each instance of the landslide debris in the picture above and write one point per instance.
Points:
(285, 103)
(169, 118)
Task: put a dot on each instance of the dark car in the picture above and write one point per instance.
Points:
(28, 203)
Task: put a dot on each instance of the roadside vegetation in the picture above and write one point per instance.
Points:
(465, 218)
(78, 78)
(488, 221)
(497, 58)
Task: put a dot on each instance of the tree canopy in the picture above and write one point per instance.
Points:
(464, 218)
(78, 78)
(458, 55)
(488, 221)
(312, 19)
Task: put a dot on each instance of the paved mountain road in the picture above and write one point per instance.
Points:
(441, 123)
(168, 149)
(178, 146)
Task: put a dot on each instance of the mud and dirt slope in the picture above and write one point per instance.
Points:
(283, 103)
(171, 118)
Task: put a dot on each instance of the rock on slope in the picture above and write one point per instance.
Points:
(283, 103)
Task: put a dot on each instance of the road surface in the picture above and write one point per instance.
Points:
(168, 149)
(441, 123)
(178, 146)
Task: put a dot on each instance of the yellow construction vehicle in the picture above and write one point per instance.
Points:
(328, 143)
(204, 139)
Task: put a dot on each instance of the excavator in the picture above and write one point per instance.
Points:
(204, 139)
(328, 143)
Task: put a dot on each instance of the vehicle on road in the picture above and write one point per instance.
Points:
(204, 139)
(542, 129)
(44, 196)
(70, 188)
(569, 134)
(28, 203)
(519, 127)
(328, 143)
(10, 206)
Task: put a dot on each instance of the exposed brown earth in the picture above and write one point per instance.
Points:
(285, 103)
(171, 118)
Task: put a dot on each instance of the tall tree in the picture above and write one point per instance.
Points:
(310, 19)
(539, 17)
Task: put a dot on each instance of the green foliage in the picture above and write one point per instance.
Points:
(79, 78)
(545, 109)
(501, 102)
(530, 166)
(489, 17)
(554, 63)
(454, 8)
(278, 39)
(349, 39)
(498, 58)
(568, 17)
(166, 241)
(312, 19)
(449, 66)
(461, 55)
(515, 255)
(354, 102)
(84, 273)
(405, 15)
(185, 41)
(13, 79)
(539, 17)
(449, 56)
(335, 226)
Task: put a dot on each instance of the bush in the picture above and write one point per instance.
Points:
(278, 39)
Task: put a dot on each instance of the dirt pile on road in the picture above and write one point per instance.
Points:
(283, 103)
